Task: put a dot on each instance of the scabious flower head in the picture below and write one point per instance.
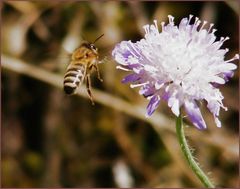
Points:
(181, 65)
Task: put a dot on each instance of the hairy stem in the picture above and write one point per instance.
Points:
(188, 155)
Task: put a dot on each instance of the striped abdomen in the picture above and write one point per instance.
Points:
(73, 77)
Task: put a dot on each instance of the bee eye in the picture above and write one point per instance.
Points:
(93, 47)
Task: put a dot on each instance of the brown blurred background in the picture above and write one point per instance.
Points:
(53, 140)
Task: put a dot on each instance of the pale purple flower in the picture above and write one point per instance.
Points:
(181, 65)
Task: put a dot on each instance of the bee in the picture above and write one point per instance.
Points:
(83, 61)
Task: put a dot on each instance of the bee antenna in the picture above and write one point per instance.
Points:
(98, 38)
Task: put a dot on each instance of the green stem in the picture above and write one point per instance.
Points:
(188, 155)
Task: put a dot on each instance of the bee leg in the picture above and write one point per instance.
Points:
(88, 83)
(98, 73)
(105, 59)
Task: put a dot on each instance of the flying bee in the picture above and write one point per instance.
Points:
(84, 60)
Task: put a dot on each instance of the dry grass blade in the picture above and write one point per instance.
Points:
(100, 97)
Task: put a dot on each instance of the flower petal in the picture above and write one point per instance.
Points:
(227, 75)
(121, 52)
(175, 107)
(153, 104)
(214, 108)
(166, 96)
(159, 84)
(217, 79)
(174, 103)
(194, 114)
(131, 78)
(147, 91)
(218, 122)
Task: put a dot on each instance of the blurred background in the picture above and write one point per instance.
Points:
(49, 139)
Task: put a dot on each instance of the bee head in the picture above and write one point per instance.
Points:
(90, 46)
(93, 47)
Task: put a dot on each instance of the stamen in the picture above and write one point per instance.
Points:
(146, 28)
(214, 30)
(138, 85)
(226, 38)
(122, 68)
(198, 23)
(136, 51)
(162, 24)
(236, 57)
(221, 39)
(204, 23)
(171, 18)
(196, 20)
(190, 17)
(155, 22)
(210, 27)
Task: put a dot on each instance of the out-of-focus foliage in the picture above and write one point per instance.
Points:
(53, 140)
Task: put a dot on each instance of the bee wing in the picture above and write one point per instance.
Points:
(106, 54)
(105, 60)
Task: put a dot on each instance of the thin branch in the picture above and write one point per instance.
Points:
(99, 96)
